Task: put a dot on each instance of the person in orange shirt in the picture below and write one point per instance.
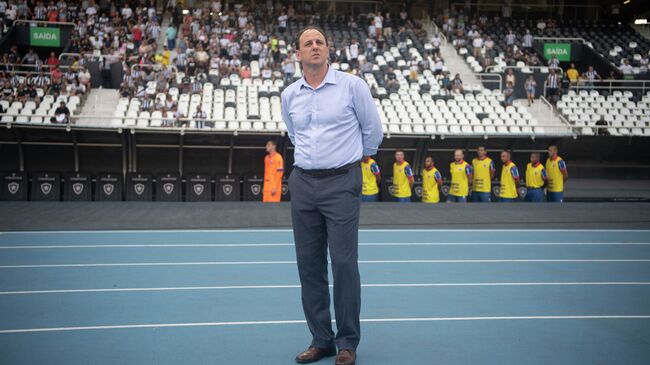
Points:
(273, 171)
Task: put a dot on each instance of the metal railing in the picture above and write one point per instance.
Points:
(493, 67)
(570, 39)
(611, 85)
(133, 128)
(24, 21)
(527, 6)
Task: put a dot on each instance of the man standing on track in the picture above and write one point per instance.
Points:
(333, 122)
(535, 179)
(509, 179)
(461, 178)
(431, 182)
(483, 168)
(371, 179)
(557, 175)
(403, 178)
(273, 171)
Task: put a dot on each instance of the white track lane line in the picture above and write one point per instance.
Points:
(371, 244)
(220, 263)
(367, 320)
(285, 230)
(295, 286)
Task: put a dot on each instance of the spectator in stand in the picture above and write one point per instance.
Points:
(510, 77)
(643, 64)
(510, 38)
(527, 41)
(199, 117)
(589, 77)
(457, 84)
(61, 114)
(289, 68)
(477, 44)
(602, 125)
(554, 62)
(509, 94)
(52, 60)
(388, 25)
(552, 86)
(530, 87)
(245, 72)
(445, 82)
(413, 70)
(572, 75)
(626, 69)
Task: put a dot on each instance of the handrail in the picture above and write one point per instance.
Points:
(20, 21)
(524, 5)
(85, 116)
(554, 111)
(154, 66)
(31, 66)
(609, 85)
(584, 41)
(491, 67)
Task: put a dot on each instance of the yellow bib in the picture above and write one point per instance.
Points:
(430, 192)
(555, 177)
(482, 183)
(401, 187)
(508, 183)
(369, 180)
(459, 181)
(534, 179)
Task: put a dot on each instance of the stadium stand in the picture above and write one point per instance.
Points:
(209, 78)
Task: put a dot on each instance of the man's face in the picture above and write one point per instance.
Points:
(399, 156)
(552, 151)
(458, 156)
(534, 158)
(313, 50)
(428, 162)
(270, 147)
(481, 152)
(505, 157)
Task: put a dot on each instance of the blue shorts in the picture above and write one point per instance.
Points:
(370, 198)
(481, 197)
(555, 197)
(507, 200)
(403, 200)
(456, 199)
(535, 195)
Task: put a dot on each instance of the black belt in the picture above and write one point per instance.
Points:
(329, 172)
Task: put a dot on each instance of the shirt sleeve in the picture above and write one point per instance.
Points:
(408, 171)
(492, 166)
(287, 119)
(514, 171)
(562, 165)
(374, 168)
(437, 175)
(368, 116)
(468, 170)
(544, 176)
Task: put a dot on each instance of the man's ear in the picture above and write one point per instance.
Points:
(298, 55)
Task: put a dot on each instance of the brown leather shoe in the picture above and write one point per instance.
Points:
(346, 357)
(314, 354)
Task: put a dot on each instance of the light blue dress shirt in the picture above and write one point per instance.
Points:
(333, 125)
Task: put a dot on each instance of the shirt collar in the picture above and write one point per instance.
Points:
(330, 78)
(536, 164)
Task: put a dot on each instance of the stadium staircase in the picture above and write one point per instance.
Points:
(541, 111)
(454, 63)
(100, 102)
